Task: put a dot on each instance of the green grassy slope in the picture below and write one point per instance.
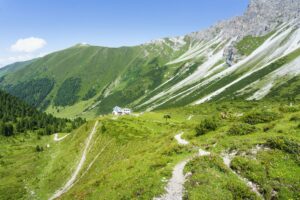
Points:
(289, 90)
(131, 157)
(23, 133)
(28, 174)
(81, 76)
(14, 67)
(250, 43)
(276, 126)
(94, 66)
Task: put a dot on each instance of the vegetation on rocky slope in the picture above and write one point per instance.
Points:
(250, 43)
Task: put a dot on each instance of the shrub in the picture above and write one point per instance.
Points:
(166, 117)
(268, 127)
(173, 150)
(6, 129)
(241, 129)
(239, 191)
(103, 129)
(284, 144)
(39, 149)
(158, 163)
(206, 126)
(288, 109)
(260, 117)
(295, 118)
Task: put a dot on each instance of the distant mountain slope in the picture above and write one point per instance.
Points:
(14, 67)
(89, 74)
(248, 57)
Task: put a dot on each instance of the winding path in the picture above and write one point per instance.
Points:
(227, 158)
(72, 179)
(180, 140)
(174, 188)
(57, 139)
(190, 117)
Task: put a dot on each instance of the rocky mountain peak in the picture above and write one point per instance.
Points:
(282, 10)
(261, 17)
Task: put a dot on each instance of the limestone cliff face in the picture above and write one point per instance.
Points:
(261, 17)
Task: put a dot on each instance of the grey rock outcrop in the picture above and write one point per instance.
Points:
(260, 18)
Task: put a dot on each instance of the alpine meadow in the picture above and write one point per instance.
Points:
(210, 115)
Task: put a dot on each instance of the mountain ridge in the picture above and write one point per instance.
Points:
(174, 71)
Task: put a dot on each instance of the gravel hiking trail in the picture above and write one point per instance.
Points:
(181, 141)
(228, 157)
(72, 179)
(57, 139)
(190, 117)
(175, 186)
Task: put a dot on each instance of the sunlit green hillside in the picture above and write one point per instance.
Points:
(132, 157)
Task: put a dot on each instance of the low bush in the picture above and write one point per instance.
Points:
(39, 148)
(260, 117)
(241, 129)
(239, 191)
(206, 126)
(103, 128)
(284, 144)
(173, 149)
(295, 118)
(159, 163)
(268, 127)
(288, 109)
(280, 131)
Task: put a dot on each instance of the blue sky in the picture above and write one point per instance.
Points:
(50, 25)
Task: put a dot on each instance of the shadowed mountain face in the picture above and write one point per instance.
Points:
(252, 56)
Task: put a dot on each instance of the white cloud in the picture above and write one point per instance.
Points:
(28, 45)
